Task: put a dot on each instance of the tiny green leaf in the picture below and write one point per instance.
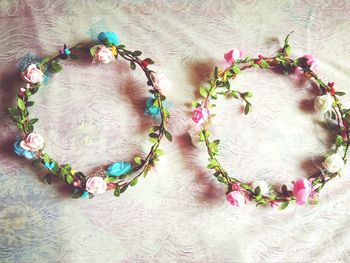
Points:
(283, 205)
(117, 191)
(133, 182)
(138, 160)
(137, 53)
(168, 135)
(20, 104)
(132, 65)
(203, 91)
(247, 108)
(340, 93)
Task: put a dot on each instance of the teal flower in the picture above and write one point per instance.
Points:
(50, 166)
(85, 195)
(22, 152)
(151, 109)
(119, 168)
(109, 37)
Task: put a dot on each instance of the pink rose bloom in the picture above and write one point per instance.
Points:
(103, 54)
(311, 61)
(236, 198)
(301, 191)
(200, 115)
(96, 185)
(161, 82)
(33, 75)
(33, 142)
(233, 55)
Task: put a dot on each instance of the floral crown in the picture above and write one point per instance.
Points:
(327, 104)
(119, 175)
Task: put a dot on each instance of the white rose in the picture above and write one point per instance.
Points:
(103, 54)
(161, 82)
(323, 103)
(96, 185)
(33, 75)
(264, 187)
(333, 163)
(33, 142)
(194, 134)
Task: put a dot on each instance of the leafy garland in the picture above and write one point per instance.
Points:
(118, 175)
(304, 190)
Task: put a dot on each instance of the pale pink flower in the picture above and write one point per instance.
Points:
(96, 185)
(233, 55)
(236, 198)
(33, 75)
(33, 142)
(200, 115)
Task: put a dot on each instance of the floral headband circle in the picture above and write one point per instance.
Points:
(327, 103)
(119, 175)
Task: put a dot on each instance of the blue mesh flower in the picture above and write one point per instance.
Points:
(20, 151)
(111, 37)
(119, 168)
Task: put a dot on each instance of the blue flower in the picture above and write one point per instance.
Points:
(85, 195)
(50, 166)
(151, 109)
(20, 151)
(119, 168)
(67, 51)
(111, 37)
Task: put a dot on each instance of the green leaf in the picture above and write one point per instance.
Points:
(221, 179)
(213, 146)
(30, 128)
(287, 38)
(264, 64)
(287, 50)
(137, 53)
(20, 104)
(32, 121)
(247, 94)
(30, 103)
(203, 91)
(69, 179)
(117, 191)
(338, 141)
(236, 69)
(257, 191)
(247, 108)
(54, 67)
(168, 135)
(340, 93)
(123, 188)
(109, 179)
(74, 56)
(138, 160)
(216, 72)
(77, 192)
(46, 158)
(132, 65)
(283, 205)
(153, 135)
(44, 61)
(133, 182)
(235, 94)
(47, 178)
(92, 51)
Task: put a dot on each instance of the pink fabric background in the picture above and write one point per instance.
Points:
(92, 115)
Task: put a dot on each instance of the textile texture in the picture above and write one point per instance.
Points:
(92, 115)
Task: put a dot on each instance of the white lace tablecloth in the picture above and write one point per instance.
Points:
(93, 114)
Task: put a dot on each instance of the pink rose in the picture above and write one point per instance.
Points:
(33, 142)
(33, 75)
(301, 191)
(236, 198)
(233, 55)
(103, 54)
(96, 185)
(200, 115)
(161, 82)
(311, 61)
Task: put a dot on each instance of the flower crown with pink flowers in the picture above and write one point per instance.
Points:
(327, 103)
(119, 175)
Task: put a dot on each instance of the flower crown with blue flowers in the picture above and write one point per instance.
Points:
(119, 175)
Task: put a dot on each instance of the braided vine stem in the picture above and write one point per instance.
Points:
(219, 84)
(50, 65)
